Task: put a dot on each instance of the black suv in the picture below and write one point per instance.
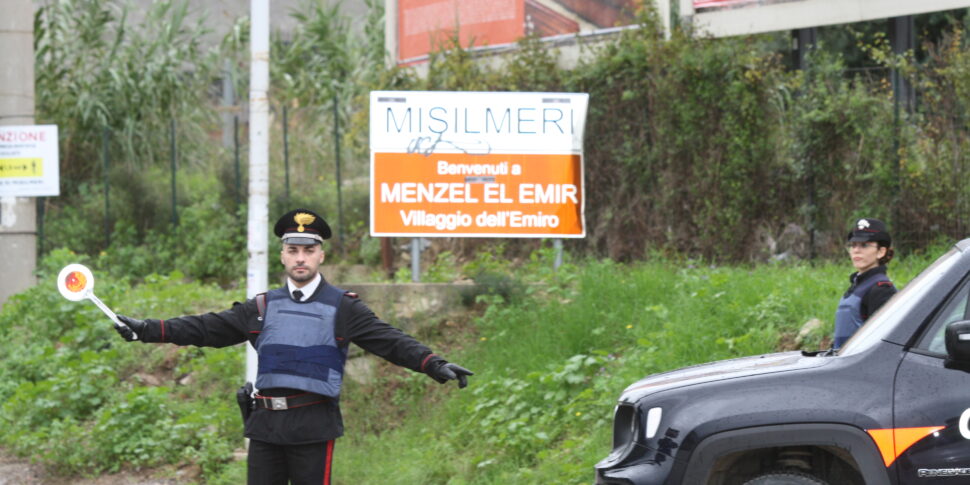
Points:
(891, 407)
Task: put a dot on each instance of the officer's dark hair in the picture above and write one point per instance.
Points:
(889, 253)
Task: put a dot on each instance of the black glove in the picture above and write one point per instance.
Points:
(133, 327)
(448, 371)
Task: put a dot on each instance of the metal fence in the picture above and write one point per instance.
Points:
(235, 154)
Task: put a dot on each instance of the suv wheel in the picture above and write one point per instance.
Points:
(785, 478)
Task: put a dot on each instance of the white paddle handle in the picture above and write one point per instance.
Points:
(107, 311)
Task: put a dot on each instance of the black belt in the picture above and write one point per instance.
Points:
(282, 403)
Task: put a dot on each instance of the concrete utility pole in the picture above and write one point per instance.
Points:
(256, 273)
(390, 32)
(18, 215)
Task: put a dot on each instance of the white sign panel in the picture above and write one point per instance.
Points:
(477, 164)
(29, 163)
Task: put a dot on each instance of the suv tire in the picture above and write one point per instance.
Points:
(785, 478)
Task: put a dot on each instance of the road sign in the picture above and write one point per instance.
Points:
(29, 164)
(473, 164)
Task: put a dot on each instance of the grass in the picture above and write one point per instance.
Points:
(550, 364)
(551, 351)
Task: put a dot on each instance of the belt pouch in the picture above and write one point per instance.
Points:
(244, 397)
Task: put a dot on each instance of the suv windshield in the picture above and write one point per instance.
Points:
(899, 305)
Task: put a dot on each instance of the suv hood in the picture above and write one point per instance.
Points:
(722, 370)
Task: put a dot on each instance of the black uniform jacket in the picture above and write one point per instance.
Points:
(876, 296)
(310, 424)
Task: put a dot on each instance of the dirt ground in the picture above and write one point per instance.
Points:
(16, 471)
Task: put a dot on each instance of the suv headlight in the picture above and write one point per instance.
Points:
(626, 422)
(624, 426)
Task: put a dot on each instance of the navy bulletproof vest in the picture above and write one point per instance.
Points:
(297, 348)
(848, 317)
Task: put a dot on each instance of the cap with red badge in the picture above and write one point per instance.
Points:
(870, 230)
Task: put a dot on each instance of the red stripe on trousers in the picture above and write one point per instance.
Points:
(327, 463)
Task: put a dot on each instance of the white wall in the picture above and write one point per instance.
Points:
(798, 14)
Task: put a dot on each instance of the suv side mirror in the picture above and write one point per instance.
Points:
(958, 341)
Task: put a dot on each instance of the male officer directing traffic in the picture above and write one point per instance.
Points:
(301, 332)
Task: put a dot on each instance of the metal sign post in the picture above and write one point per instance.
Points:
(557, 244)
(415, 260)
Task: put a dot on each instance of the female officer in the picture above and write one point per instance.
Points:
(869, 246)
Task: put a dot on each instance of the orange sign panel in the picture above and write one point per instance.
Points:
(460, 194)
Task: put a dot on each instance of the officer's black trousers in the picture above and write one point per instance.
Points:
(289, 464)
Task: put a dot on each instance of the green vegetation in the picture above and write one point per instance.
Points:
(551, 351)
(551, 362)
(700, 147)
(80, 401)
(698, 153)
